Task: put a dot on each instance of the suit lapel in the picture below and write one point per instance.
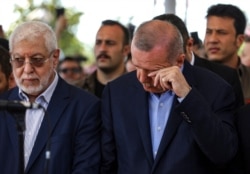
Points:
(189, 74)
(55, 108)
(143, 121)
(175, 118)
(173, 123)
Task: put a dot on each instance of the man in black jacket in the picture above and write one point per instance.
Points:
(227, 73)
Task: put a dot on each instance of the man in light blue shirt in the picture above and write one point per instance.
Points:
(167, 117)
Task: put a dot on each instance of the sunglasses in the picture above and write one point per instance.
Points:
(72, 70)
(36, 61)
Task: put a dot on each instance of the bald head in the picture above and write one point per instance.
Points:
(156, 33)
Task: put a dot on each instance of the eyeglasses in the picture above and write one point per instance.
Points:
(36, 61)
(72, 70)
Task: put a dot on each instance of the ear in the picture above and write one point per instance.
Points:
(55, 57)
(240, 39)
(11, 81)
(126, 50)
(180, 60)
(190, 42)
(189, 49)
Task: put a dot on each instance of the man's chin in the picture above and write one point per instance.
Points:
(31, 90)
(214, 58)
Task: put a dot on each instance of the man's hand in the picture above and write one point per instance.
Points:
(171, 78)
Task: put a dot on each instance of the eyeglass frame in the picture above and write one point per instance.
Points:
(32, 61)
(74, 70)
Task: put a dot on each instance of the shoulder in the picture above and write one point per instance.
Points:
(11, 94)
(127, 84)
(222, 70)
(89, 82)
(125, 80)
(212, 87)
(75, 93)
(90, 78)
(244, 71)
(202, 75)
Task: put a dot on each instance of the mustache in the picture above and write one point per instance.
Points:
(103, 55)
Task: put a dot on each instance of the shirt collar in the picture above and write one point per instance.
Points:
(192, 59)
(168, 92)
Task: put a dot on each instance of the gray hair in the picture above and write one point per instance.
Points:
(33, 30)
(152, 33)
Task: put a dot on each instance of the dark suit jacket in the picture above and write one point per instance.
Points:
(74, 118)
(199, 138)
(243, 125)
(227, 73)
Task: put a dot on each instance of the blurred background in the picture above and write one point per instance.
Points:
(85, 16)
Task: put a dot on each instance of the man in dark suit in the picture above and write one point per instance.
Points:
(167, 116)
(224, 35)
(63, 139)
(227, 73)
(243, 122)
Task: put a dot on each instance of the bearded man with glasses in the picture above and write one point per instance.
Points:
(66, 129)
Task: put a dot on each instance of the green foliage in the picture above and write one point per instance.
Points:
(68, 41)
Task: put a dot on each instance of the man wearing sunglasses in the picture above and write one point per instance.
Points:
(61, 137)
(71, 71)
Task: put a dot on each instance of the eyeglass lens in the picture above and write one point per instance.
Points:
(72, 70)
